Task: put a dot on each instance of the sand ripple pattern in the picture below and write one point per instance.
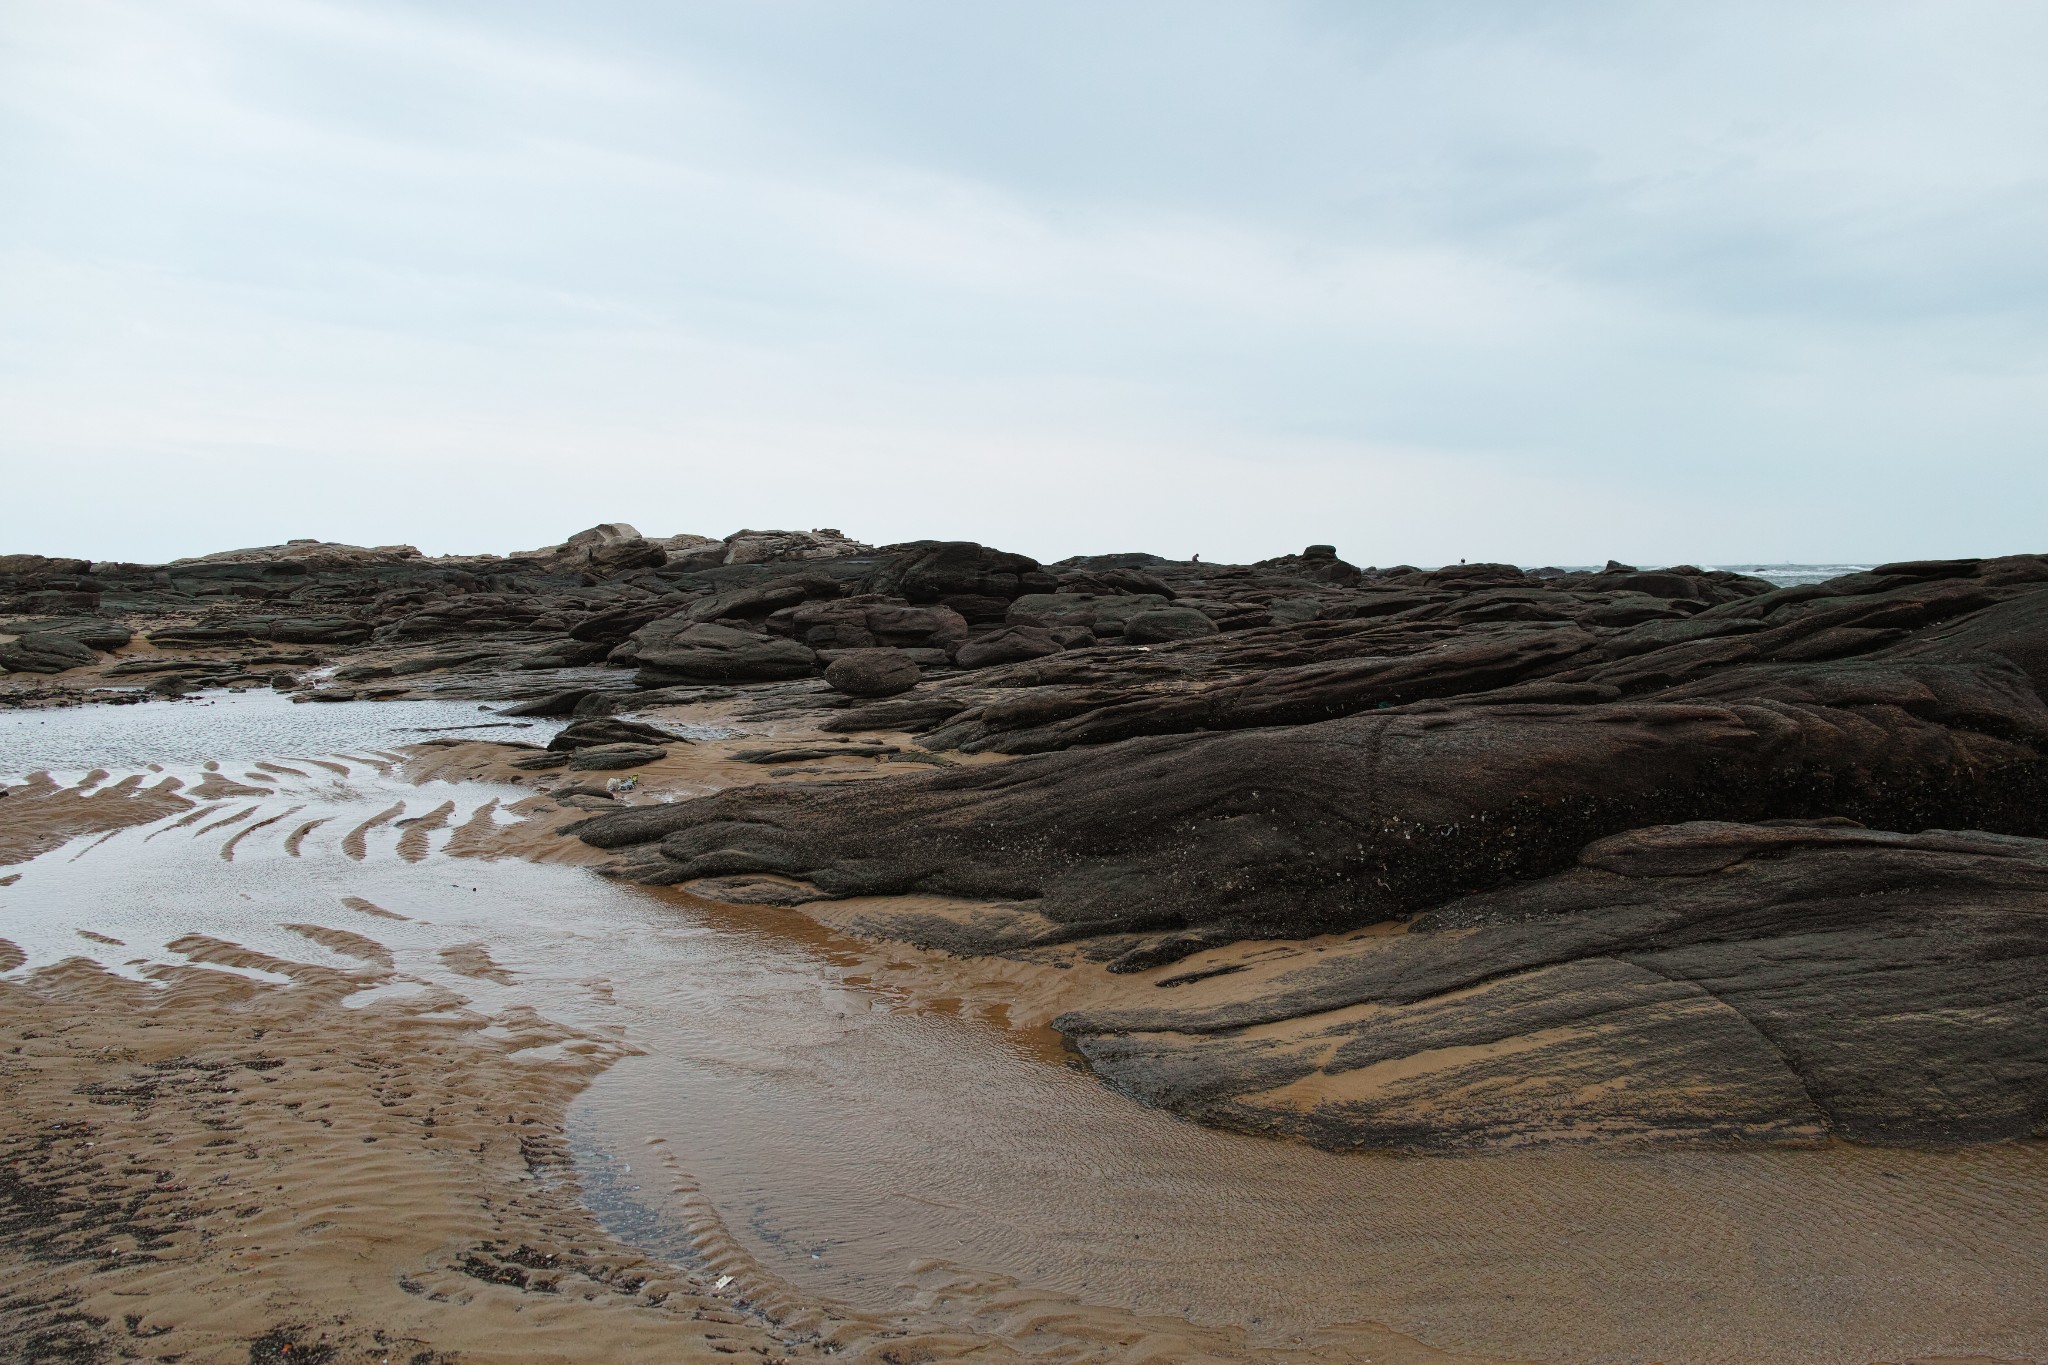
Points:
(887, 1177)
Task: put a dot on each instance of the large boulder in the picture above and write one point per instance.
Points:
(762, 599)
(676, 649)
(926, 571)
(1012, 644)
(1095, 563)
(1406, 646)
(603, 730)
(690, 551)
(1317, 562)
(96, 634)
(782, 547)
(869, 620)
(1103, 614)
(834, 625)
(601, 535)
(563, 703)
(923, 627)
(872, 673)
(977, 609)
(609, 548)
(45, 652)
(1274, 696)
(1634, 608)
(606, 561)
(91, 631)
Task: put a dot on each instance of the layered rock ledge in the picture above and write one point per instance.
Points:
(1663, 855)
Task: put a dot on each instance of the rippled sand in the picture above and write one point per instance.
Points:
(858, 1136)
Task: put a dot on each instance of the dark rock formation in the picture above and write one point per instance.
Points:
(553, 704)
(585, 734)
(607, 757)
(90, 631)
(677, 649)
(45, 652)
(1010, 645)
(868, 620)
(1440, 749)
(927, 571)
(1321, 827)
(1102, 615)
(872, 672)
(1167, 624)
(1781, 983)
(784, 547)
(1560, 787)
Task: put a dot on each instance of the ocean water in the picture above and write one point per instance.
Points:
(1788, 575)
(1783, 575)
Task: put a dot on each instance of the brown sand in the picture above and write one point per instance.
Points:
(220, 1169)
(208, 1167)
(214, 1168)
(38, 815)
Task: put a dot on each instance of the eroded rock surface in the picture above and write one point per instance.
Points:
(1531, 822)
(1444, 763)
(1305, 829)
(1783, 983)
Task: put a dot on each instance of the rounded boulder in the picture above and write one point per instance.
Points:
(872, 673)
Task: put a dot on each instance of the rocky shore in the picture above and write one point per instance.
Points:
(1385, 857)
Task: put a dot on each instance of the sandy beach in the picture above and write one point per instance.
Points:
(221, 1152)
(1037, 683)
(627, 951)
(227, 1158)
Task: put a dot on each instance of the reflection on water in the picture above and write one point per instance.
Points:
(848, 1142)
(232, 727)
(845, 1138)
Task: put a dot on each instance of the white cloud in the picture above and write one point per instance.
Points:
(1463, 280)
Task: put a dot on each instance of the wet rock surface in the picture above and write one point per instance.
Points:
(1708, 981)
(1568, 791)
(1471, 762)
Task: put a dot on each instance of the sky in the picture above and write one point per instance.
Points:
(1425, 279)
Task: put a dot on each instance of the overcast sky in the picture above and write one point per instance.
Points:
(1429, 279)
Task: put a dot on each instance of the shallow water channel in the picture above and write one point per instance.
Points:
(850, 1139)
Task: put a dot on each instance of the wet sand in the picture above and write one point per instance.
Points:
(213, 1168)
(323, 1124)
(558, 1112)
